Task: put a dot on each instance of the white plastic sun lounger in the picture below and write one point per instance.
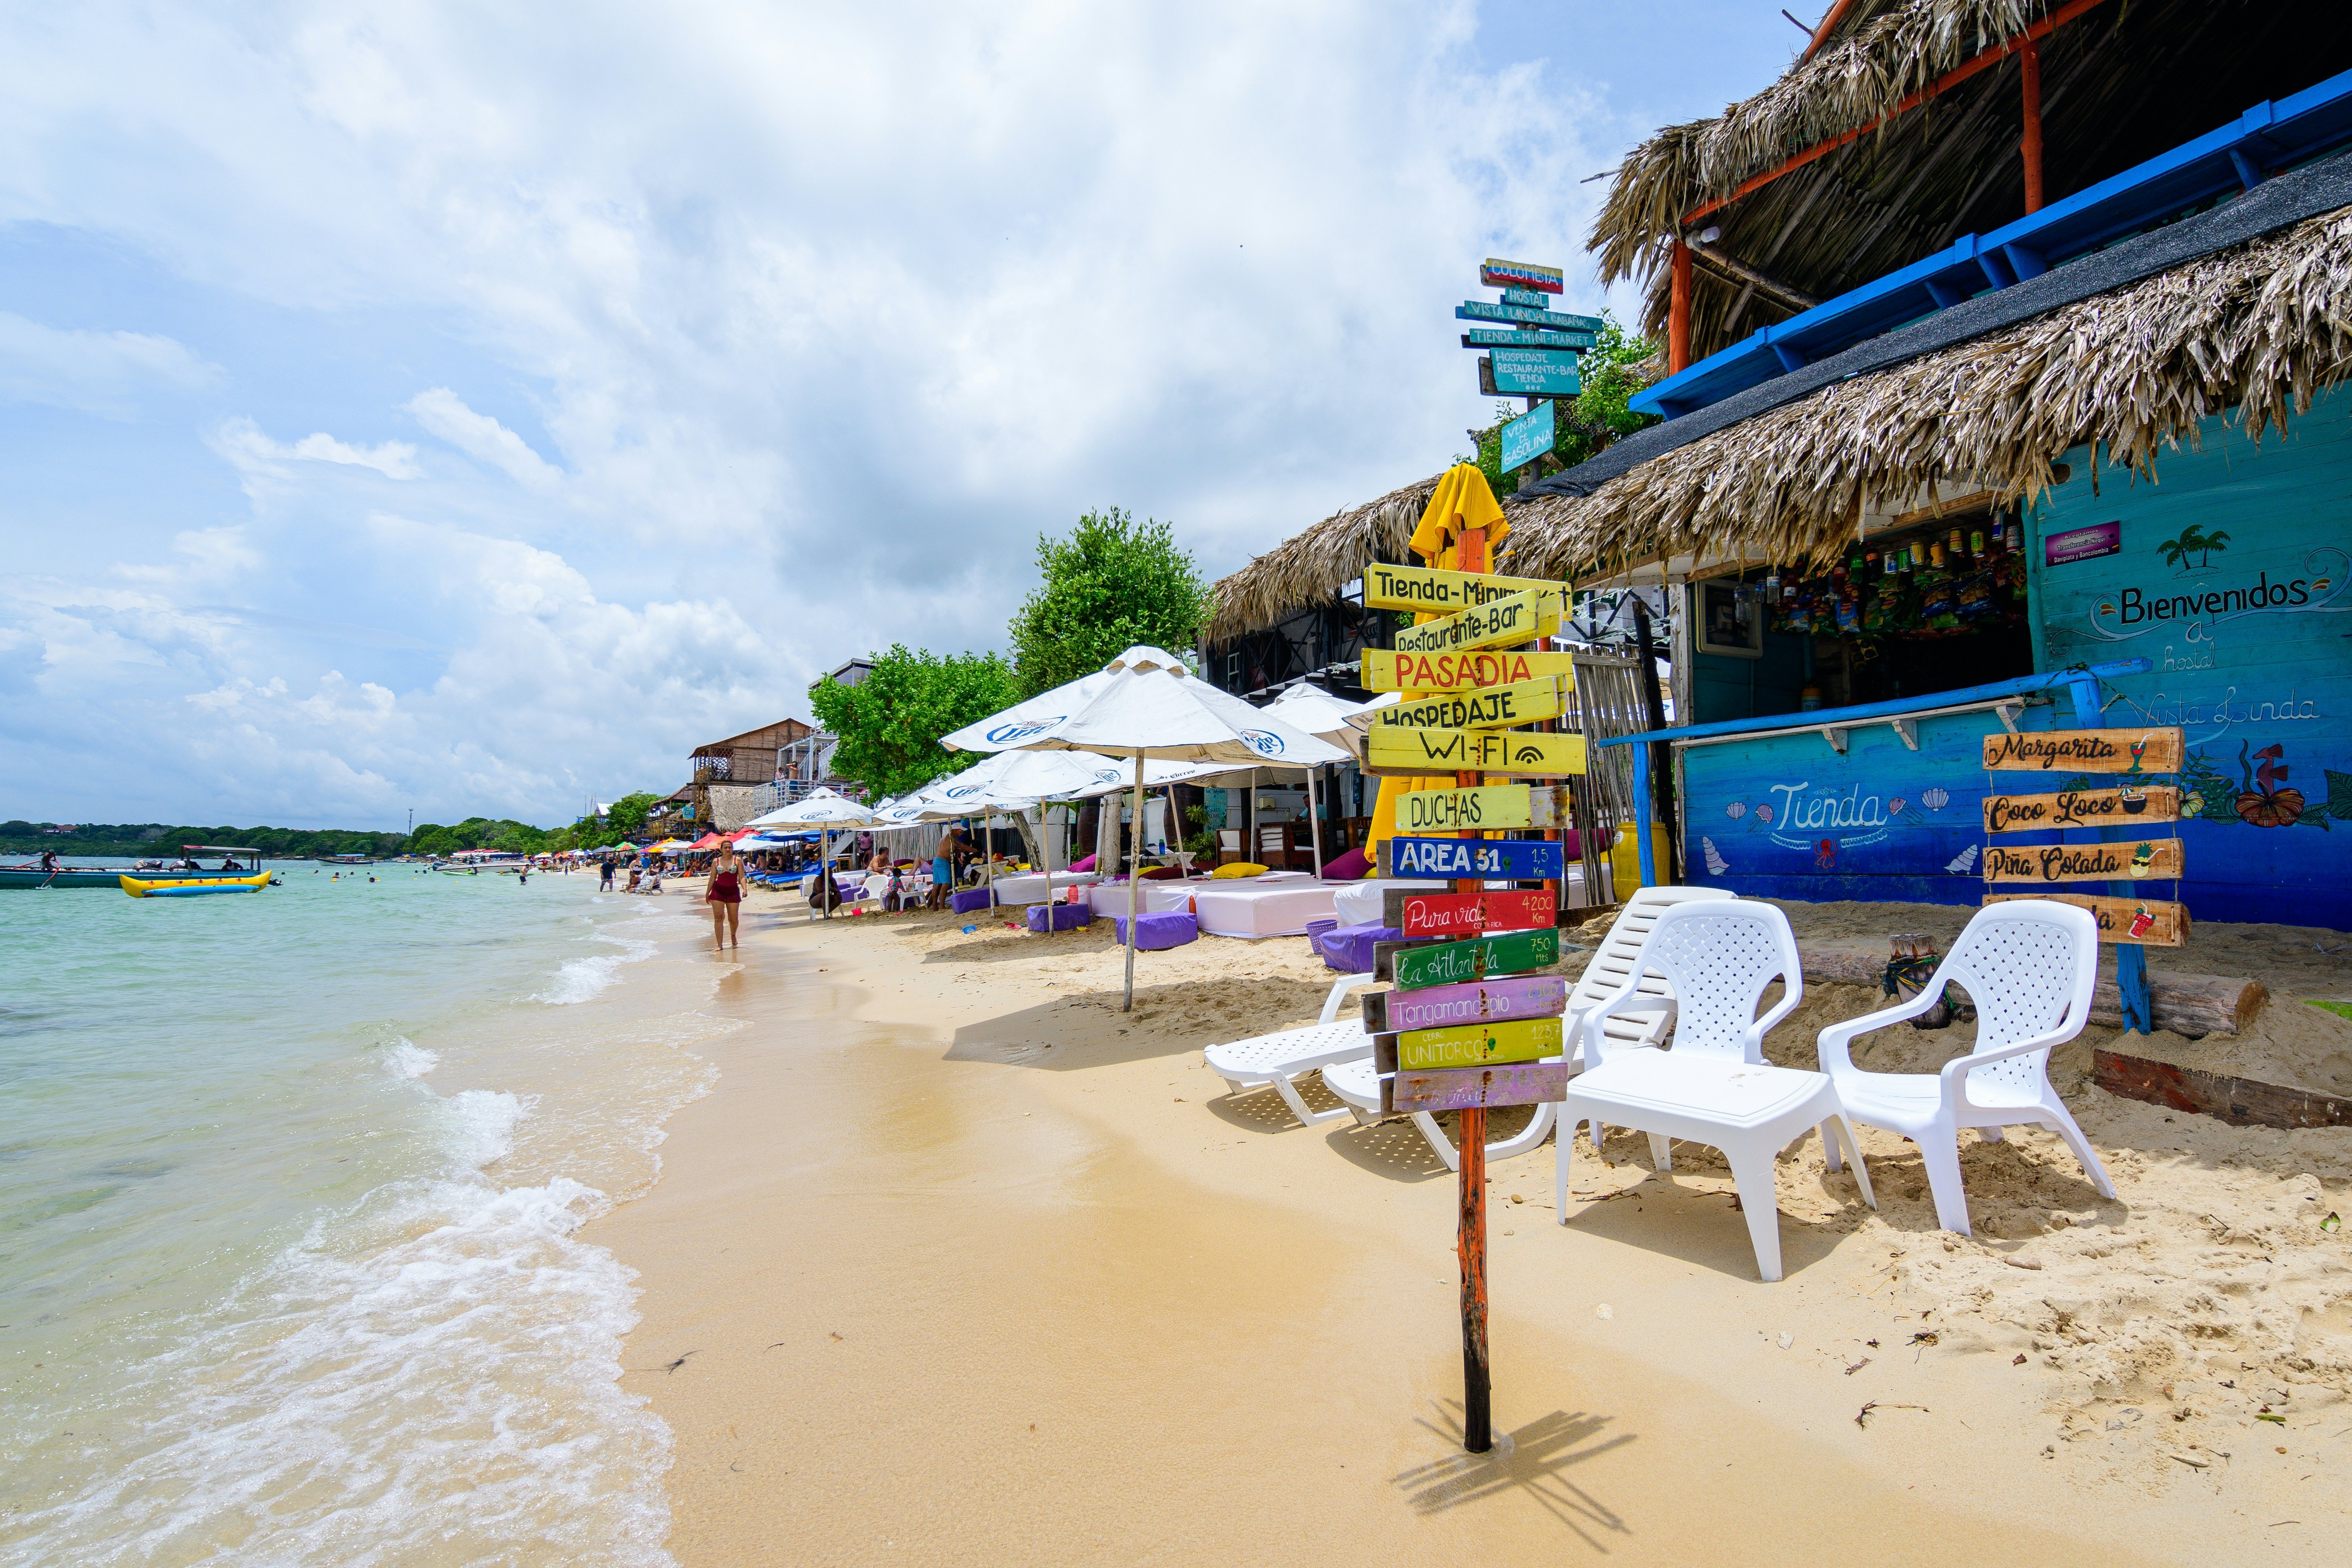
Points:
(1278, 1060)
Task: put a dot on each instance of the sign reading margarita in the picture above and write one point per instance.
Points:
(1515, 618)
(2086, 751)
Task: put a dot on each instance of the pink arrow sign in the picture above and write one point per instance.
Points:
(1536, 996)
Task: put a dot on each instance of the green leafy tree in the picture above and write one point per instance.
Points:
(891, 721)
(1112, 583)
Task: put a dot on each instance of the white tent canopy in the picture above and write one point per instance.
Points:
(818, 808)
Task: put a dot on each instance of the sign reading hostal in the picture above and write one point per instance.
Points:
(1385, 670)
(1395, 749)
(1496, 707)
(1515, 618)
(2085, 751)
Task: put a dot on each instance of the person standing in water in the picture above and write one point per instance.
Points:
(726, 897)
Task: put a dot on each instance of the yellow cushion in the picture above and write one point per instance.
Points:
(1238, 868)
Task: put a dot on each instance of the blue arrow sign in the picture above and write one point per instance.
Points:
(1479, 311)
(1499, 859)
(1527, 297)
(1495, 338)
(1528, 436)
(1536, 372)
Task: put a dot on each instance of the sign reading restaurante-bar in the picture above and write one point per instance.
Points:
(1396, 749)
(1515, 618)
(1387, 671)
(1496, 707)
(2086, 751)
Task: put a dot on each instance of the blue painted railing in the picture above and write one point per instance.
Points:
(2237, 156)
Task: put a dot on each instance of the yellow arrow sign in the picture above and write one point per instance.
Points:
(1518, 617)
(1496, 707)
(1387, 671)
(1434, 592)
(1396, 749)
(1492, 806)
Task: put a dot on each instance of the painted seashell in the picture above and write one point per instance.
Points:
(1934, 798)
(1736, 810)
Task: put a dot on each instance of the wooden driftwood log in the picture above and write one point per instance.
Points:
(2190, 1006)
(2239, 1100)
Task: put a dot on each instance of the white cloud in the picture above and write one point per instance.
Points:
(478, 435)
(245, 444)
(94, 372)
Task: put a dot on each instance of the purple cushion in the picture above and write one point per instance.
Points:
(963, 903)
(1348, 868)
(1317, 928)
(1348, 949)
(1169, 928)
(1058, 917)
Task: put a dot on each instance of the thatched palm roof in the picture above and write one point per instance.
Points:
(1312, 565)
(2263, 324)
(2120, 82)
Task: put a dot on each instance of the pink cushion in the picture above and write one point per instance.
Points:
(1348, 868)
(1086, 864)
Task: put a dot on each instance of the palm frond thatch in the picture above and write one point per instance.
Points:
(2262, 327)
(1312, 565)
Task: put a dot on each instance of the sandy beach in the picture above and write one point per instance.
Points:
(959, 1264)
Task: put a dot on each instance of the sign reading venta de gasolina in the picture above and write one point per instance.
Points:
(1516, 617)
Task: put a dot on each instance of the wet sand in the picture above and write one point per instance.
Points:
(958, 1264)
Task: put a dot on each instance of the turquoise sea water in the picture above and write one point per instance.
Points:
(290, 1183)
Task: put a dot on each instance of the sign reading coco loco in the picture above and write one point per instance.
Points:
(1395, 749)
(1515, 618)
(2080, 808)
(1387, 671)
(1496, 707)
(2086, 751)
(1469, 810)
(1431, 590)
(2159, 857)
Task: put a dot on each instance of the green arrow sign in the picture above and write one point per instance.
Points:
(1457, 963)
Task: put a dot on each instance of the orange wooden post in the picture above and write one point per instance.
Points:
(2029, 58)
(1470, 1245)
(1678, 308)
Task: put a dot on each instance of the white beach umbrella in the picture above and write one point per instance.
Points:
(1326, 717)
(1149, 706)
(825, 810)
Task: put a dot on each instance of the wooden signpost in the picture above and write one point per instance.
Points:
(2159, 857)
(2125, 807)
(1546, 372)
(1527, 338)
(2085, 751)
(1494, 707)
(1476, 1088)
(1386, 671)
(1398, 749)
(1485, 860)
(1514, 618)
(1460, 962)
(1480, 810)
(1430, 592)
(1441, 1006)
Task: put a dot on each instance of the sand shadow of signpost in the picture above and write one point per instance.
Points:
(1532, 1462)
(1086, 1030)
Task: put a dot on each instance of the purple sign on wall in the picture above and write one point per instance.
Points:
(2083, 543)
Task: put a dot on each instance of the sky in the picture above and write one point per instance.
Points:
(471, 409)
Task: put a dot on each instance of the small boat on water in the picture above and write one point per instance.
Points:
(33, 875)
(184, 886)
(474, 862)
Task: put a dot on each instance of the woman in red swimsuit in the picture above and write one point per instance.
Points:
(726, 897)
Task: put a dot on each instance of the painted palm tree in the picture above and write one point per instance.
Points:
(2193, 541)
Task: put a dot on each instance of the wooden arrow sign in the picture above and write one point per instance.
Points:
(2150, 923)
(1494, 708)
(1468, 1044)
(1487, 860)
(1514, 618)
(1467, 914)
(1385, 670)
(1434, 592)
(1460, 962)
(2086, 751)
(1470, 1089)
(1396, 749)
(1470, 810)
(2157, 857)
(2125, 807)
(1444, 1006)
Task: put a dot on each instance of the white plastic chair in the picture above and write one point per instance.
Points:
(1714, 1086)
(2030, 965)
(1279, 1060)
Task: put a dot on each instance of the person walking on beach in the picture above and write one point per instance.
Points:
(726, 898)
(942, 870)
(604, 882)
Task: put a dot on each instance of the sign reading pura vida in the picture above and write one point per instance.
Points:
(1385, 670)
(2086, 751)
(1514, 618)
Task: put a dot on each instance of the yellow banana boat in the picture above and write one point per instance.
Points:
(148, 888)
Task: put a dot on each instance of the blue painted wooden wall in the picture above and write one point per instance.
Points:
(2251, 642)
